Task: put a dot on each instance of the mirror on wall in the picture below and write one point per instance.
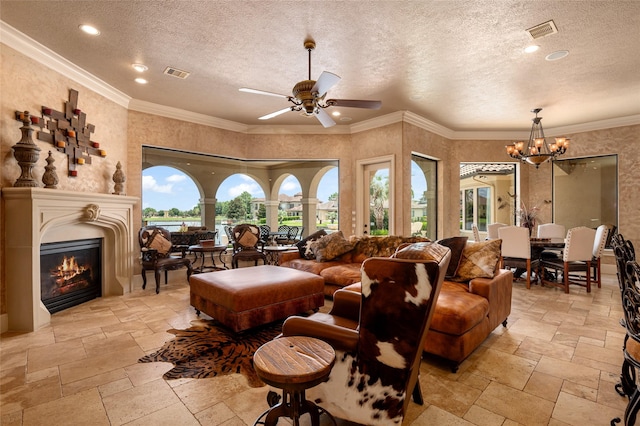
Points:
(585, 191)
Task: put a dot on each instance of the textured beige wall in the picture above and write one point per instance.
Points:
(25, 84)
(28, 85)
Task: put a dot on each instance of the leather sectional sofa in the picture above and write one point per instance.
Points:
(466, 312)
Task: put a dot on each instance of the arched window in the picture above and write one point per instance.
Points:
(328, 197)
(423, 196)
(239, 198)
(169, 198)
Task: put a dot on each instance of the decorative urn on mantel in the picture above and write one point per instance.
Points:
(26, 152)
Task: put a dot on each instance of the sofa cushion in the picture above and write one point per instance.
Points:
(366, 247)
(331, 246)
(342, 274)
(479, 260)
(422, 251)
(458, 311)
(304, 246)
(456, 244)
(310, 265)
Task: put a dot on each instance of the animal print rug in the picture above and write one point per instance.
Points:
(208, 349)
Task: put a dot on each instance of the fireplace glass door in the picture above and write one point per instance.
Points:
(70, 273)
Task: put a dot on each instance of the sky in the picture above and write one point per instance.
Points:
(164, 187)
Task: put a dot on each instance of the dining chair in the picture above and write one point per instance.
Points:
(476, 233)
(551, 230)
(602, 232)
(576, 257)
(516, 251)
(492, 230)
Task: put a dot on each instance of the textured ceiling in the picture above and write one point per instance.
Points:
(464, 60)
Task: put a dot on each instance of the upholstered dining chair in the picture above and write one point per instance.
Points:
(378, 336)
(551, 230)
(476, 232)
(602, 232)
(246, 240)
(155, 248)
(516, 250)
(492, 230)
(554, 231)
(576, 257)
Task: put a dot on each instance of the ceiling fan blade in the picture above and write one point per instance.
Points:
(274, 114)
(262, 92)
(326, 81)
(324, 118)
(354, 103)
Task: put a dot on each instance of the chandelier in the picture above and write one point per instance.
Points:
(537, 150)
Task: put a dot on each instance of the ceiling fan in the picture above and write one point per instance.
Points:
(308, 96)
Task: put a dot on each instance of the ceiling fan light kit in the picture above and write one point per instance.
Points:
(308, 96)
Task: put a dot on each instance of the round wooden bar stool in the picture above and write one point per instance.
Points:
(293, 364)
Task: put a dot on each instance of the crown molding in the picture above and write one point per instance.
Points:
(184, 115)
(43, 55)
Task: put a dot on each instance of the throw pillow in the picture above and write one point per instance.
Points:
(304, 246)
(247, 239)
(160, 243)
(456, 244)
(331, 246)
(422, 251)
(479, 260)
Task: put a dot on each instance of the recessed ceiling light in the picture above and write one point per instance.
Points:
(557, 55)
(532, 48)
(346, 119)
(336, 113)
(415, 97)
(140, 67)
(89, 29)
(141, 80)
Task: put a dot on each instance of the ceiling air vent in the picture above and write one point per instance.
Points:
(542, 30)
(176, 72)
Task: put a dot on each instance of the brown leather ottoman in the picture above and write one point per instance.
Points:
(247, 297)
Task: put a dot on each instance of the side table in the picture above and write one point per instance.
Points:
(294, 364)
(200, 251)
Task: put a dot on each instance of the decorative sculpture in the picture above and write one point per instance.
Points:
(69, 133)
(26, 151)
(50, 178)
(118, 178)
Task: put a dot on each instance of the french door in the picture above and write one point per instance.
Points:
(375, 199)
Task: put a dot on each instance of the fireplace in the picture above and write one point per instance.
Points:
(36, 217)
(70, 273)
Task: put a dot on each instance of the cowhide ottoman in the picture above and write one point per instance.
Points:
(247, 297)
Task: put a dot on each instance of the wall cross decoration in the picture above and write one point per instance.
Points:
(69, 133)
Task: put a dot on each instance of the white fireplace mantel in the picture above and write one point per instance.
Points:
(34, 216)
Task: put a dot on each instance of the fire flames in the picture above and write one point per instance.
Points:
(68, 269)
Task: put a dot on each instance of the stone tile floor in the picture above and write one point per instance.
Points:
(556, 363)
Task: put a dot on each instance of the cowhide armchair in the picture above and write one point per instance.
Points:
(378, 336)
